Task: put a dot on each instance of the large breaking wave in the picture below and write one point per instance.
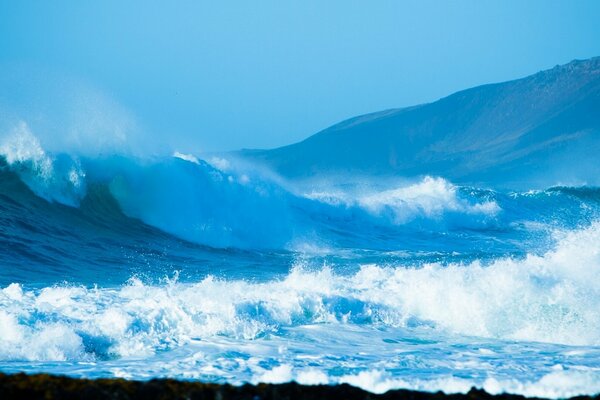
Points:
(232, 207)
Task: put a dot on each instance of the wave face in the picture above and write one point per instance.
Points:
(179, 267)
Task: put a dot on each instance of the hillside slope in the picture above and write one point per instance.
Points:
(543, 130)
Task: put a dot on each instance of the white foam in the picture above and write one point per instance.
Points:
(430, 198)
(49, 342)
(38, 170)
(220, 163)
(312, 376)
(21, 147)
(550, 298)
(561, 384)
(378, 381)
(186, 157)
(280, 374)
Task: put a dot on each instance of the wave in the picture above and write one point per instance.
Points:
(117, 265)
(123, 214)
(230, 207)
(55, 179)
(551, 298)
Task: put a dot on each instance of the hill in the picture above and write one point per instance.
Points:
(540, 130)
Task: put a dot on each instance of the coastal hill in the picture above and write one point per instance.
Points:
(540, 130)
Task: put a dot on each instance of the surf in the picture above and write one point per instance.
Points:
(116, 265)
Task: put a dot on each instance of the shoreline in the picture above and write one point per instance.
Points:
(48, 387)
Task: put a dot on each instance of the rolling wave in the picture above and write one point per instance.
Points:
(198, 202)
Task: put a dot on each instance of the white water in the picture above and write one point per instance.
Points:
(528, 324)
(384, 313)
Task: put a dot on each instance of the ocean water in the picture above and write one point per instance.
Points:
(143, 267)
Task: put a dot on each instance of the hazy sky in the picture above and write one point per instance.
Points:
(224, 75)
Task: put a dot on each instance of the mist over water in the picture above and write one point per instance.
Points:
(141, 266)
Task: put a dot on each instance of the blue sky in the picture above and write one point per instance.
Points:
(204, 76)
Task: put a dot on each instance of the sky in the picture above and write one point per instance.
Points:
(212, 76)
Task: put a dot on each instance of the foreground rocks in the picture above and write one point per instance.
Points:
(47, 387)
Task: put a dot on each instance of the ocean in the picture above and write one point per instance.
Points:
(140, 267)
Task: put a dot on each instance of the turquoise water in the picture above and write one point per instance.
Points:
(216, 270)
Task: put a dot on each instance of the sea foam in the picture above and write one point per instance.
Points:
(551, 298)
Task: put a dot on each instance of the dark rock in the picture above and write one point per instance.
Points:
(48, 387)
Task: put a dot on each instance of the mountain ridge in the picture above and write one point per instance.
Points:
(501, 134)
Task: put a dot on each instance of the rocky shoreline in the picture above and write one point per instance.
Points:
(47, 387)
